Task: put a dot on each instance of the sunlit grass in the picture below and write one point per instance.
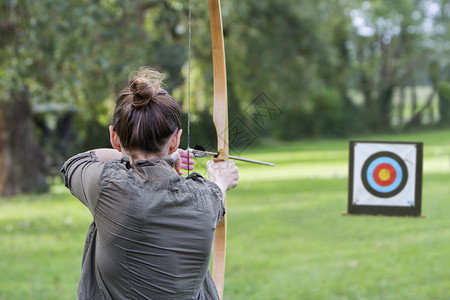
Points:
(41, 246)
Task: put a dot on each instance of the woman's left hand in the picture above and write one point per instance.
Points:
(182, 157)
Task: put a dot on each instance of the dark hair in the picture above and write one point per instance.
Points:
(145, 115)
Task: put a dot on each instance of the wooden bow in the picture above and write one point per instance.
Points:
(220, 117)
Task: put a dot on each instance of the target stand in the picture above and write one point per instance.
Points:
(385, 178)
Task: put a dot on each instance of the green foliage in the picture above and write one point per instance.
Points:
(76, 55)
(434, 70)
(287, 237)
(389, 50)
(443, 89)
(298, 58)
(329, 111)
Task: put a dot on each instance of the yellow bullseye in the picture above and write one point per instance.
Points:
(384, 174)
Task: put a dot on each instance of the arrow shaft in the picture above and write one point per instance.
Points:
(203, 153)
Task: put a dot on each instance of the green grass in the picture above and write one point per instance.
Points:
(287, 237)
(41, 245)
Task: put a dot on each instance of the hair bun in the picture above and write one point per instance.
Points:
(144, 84)
(143, 92)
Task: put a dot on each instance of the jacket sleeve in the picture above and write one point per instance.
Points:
(81, 174)
(215, 192)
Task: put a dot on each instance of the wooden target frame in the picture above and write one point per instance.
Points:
(385, 178)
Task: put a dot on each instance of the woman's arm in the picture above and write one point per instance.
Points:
(107, 154)
(180, 157)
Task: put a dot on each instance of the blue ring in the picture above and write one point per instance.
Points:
(376, 186)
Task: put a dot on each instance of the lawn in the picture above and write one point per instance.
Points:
(287, 237)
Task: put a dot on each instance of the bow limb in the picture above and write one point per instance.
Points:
(220, 117)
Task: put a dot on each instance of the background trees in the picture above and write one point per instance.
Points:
(331, 68)
(63, 61)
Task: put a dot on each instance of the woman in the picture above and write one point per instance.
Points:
(152, 232)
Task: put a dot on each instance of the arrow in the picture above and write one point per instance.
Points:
(199, 151)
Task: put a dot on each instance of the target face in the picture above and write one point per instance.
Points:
(384, 174)
(385, 177)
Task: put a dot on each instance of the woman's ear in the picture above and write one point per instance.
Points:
(175, 141)
(114, 139)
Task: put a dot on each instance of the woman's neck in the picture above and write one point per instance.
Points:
(135, 156)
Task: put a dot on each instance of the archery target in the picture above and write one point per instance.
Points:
(384, 174)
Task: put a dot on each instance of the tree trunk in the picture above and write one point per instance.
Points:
(385, 100)
(413, 99)
(23, 166)
(401, 104)
(415, 119)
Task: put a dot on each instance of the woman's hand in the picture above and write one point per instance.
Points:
(223, 173)
(181, 160)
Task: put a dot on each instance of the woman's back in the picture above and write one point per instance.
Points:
(153, 228)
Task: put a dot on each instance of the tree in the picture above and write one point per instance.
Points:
(393, 45)
(287, 50)
(74, 55)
